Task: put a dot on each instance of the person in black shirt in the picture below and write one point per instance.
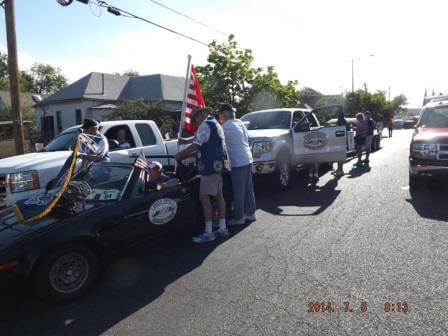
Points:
(369, 138)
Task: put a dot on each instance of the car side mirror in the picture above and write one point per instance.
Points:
(302, 127)
(113, 145)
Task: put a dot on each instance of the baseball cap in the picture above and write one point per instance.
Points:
(88, 123)
(155, 164)
(197, 110)
(224, 107)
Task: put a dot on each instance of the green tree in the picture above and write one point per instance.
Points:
(139, 109)
(4, 77)
(45, 79)
(131, 73)
(230, 77)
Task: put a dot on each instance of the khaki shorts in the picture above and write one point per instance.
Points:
(210, 185)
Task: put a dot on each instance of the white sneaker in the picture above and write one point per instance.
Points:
(236, 222)
(252, 218)
(222, 232)
(204, 237)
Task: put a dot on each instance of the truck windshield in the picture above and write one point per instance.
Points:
(63, 142)
(268, 120)
(435, 117)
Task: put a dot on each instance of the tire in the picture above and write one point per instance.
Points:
(282, 174)
(77, 264)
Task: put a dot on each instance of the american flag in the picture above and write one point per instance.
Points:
(194, 99)
(142, 164)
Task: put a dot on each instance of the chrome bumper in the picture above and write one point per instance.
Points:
(263, 167)
(427, 170)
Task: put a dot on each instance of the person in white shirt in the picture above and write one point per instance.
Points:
(122, 141)
(240, 156)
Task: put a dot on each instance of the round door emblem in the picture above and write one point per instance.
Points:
(162, 211)
(315, 140)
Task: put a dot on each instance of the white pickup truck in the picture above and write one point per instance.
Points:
(22, 176)
(283, 139)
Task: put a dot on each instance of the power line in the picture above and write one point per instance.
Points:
(187, 16)
(118, 11)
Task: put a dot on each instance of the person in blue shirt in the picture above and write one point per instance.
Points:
(212, 160)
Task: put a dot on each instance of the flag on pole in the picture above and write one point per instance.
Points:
(142, 164)
(192, 99)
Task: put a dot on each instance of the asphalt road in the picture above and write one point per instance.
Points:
(362, 238)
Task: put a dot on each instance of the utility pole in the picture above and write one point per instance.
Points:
(353, 77)
(14, 83)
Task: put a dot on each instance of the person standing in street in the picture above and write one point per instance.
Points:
(360, 137)
(237, 142)
(212, 160)
(390, 127)
(370, 127)
(98, 150)
(341, 122)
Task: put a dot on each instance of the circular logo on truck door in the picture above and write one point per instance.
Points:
(315, 140)
(162, 211)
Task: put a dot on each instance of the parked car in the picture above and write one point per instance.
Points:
(25, 175)
(101, 212)
(428, 158)
(286, 138)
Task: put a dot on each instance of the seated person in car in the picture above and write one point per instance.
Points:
(123, 143)
(156, 179)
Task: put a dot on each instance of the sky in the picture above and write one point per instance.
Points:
(312, 42)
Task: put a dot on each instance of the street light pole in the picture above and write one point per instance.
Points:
(353, 77)
(13, 69)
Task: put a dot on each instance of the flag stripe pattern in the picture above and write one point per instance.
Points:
(194, 99)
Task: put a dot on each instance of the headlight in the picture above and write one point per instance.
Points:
(23, 181)
(259, 148)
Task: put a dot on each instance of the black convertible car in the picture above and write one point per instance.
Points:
(102, 211)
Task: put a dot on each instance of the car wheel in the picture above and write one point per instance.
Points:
(67, 273)
(282, 175)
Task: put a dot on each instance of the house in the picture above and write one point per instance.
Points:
(97, 95)
(26, 99)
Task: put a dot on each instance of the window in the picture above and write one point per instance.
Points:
(78, 117)
(146, 134)
(122, 134)
(58, 121)
(268, 120)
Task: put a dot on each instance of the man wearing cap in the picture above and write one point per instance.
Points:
(369, 138)
(98, 140)
(237, 142)
(211, 154)
(156, 179)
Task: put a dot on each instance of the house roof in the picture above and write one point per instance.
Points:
(108, 87)
(26, 98)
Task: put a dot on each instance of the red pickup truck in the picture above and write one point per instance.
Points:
(428, 157)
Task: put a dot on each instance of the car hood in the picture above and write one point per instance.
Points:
(31, 161)
(15, 232)
(259, 134)
(427, 134)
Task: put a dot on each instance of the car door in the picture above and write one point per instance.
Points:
(319, 144)
(151, 144)
(153, 212)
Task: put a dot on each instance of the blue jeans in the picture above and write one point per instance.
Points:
(243, 192)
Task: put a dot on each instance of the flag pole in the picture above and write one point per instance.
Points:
(184, 103)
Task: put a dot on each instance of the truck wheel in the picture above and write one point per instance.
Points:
(67, 273)
(282, 174)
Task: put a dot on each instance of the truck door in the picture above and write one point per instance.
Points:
(319, 144)
(151, 144)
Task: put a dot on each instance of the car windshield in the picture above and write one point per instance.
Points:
(63, 142)
(102, 184)
(268, 120)
(435, 117)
